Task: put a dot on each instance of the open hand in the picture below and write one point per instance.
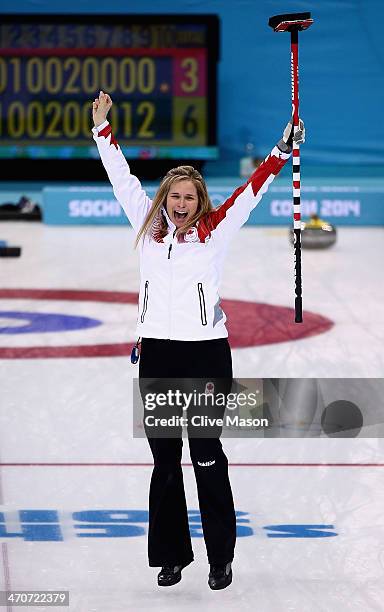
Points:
(100, 108)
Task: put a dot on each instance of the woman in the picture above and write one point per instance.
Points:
(183, 241)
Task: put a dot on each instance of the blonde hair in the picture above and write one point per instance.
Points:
(181, 173)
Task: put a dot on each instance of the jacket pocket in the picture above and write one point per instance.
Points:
(203, 312)
(145, 302)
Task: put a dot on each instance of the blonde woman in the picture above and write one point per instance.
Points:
(182, 242)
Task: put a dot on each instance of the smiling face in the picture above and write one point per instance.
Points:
(182, 202)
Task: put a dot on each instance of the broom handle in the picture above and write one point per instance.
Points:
(296, 176)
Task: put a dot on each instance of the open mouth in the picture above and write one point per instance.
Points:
(181, 216)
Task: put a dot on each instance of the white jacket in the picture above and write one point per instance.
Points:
(179, 288)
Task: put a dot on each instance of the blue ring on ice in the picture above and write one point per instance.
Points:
(42, 322)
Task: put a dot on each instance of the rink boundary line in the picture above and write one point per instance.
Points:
(75, 464)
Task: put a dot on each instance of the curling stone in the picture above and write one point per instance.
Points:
(316, 233)
(7, 251)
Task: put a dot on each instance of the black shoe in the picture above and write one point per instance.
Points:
(220, 576)
(169, 575)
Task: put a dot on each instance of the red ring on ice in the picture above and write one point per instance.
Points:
(249, 324)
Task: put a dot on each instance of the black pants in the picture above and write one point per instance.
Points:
(169, 538)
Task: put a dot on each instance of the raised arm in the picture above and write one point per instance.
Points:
(126, 187)
(229, 217)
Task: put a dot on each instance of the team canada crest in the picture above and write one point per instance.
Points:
(191, 235)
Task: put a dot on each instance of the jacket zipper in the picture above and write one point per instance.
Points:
(145, 303)
(170, 287)
(203, 312)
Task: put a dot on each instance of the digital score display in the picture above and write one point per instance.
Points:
(160, 72)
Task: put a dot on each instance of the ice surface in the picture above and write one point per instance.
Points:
(66, 444)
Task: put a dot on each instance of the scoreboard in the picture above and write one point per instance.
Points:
(160, 72)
